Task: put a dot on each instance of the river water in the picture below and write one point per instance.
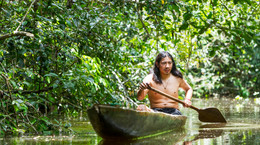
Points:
(243, 128)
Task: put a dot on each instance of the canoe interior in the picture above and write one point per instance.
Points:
(114, 122)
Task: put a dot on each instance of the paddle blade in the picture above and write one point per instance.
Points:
(211, 115)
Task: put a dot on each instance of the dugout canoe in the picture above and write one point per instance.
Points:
(111, 122)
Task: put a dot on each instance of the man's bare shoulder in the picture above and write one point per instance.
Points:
(148, 78)
(177, 78)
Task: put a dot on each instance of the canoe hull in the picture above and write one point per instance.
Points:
(114, 122)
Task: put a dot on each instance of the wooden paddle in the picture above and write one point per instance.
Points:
(205, 115)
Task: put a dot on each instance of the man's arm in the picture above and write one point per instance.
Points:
(185, 86)
(142, 92)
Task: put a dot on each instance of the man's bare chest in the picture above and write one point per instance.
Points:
(170, 87)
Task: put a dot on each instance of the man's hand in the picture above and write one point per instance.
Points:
(142, 91)
(187, 102)
(144, 86)
(144, 108)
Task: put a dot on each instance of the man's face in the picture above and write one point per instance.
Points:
(165, 66)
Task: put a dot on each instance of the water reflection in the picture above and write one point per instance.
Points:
(49, 140)
(243, 127)
(172, 137)
(206, 131)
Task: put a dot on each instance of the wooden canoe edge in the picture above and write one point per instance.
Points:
(107, 128)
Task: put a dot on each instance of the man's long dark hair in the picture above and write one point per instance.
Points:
(156, 72)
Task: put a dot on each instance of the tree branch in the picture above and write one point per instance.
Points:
(144, 26)
(226, 8)
(16, 33)
(2, 103)
(25, 16)
(26, 92)
(29, 122)
(9, 89)
(124, 89)
(37, 92)
(3, 68)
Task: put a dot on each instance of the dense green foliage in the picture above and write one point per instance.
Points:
(61, 56)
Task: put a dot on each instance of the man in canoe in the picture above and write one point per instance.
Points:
(166, 78)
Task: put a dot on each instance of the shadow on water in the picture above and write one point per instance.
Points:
(171, 137)
(206, 131)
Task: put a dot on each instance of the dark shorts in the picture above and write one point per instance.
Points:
(172, 111)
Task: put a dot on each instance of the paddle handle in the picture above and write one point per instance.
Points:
(170, 97)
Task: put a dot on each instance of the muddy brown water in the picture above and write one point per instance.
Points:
(243, 127)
